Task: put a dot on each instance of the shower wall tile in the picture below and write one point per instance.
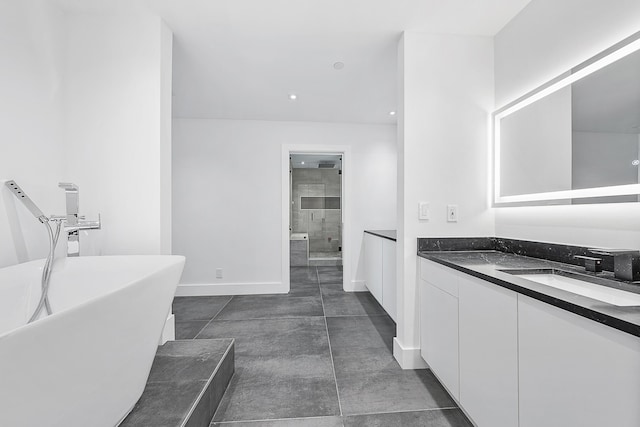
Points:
(324, 230)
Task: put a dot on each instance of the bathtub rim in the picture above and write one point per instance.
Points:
(176, 259)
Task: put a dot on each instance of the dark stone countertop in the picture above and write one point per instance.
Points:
(385, 234)
(486, 265)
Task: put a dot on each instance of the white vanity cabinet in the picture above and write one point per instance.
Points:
(468, 336)
(513, 361)
(488, 336)
(574, 371)
(373, 265)
(389, 292)
(380, 271)
(439, 324)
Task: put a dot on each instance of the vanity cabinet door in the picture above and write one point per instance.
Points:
(373, 265)
(574, 371)
(488, 333)
(439, 334)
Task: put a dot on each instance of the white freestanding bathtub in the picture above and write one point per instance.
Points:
(87, 364)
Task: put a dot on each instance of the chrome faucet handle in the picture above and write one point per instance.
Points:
(64, 217)
(68, 186)
(86, 225)
(90, 225)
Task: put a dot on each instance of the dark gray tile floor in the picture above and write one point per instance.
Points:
(317, 357)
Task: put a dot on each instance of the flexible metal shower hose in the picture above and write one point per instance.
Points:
(46, 271)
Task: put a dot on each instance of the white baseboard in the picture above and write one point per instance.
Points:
(408, 358)
(356, 286)
(214, 289)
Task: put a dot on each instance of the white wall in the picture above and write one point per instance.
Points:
(446, 97)
(546, 39)
(30, 80)
(84, 100)
(227, 194)
(115, 141)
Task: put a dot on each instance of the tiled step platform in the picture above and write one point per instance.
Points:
(186, 384)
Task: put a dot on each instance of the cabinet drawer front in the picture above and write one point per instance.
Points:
(488, 347)
(575, 372)
(439, 276)
(439, 335)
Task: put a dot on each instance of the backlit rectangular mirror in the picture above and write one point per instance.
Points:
(576, 139)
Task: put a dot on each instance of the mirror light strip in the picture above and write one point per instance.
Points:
(619, 190)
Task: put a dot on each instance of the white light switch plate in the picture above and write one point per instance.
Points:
(423, 211)
(452, 213)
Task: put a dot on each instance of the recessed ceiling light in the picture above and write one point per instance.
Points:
(293, 96)
(338, 65)
(302, 163)
(392, 113)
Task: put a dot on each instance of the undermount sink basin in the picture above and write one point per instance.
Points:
(574, 283)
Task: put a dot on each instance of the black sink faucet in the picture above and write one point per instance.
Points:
(626, 262)
(590, 263)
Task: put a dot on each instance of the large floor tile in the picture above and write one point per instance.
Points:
(304, 289)
(432, 418)
(271, 306)
(361, 332)
(251, 397)
(340, 303)
(303, 275)
(392, 391)
(198, 308)
(362, 344)
(330, 274)
(285, 366)
(290, 422)
(272, 337)
(189, 329)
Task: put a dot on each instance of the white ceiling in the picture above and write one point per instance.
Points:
(239, 59)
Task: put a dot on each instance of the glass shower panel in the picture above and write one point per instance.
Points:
(324, 217)
(316, 210)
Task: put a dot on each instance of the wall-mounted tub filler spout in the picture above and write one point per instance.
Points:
(73, 221)
(53, 241)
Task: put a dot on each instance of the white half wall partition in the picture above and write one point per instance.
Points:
(228, 189)
(446, 98)
(86, 99)
(31, 42)
(118, 129)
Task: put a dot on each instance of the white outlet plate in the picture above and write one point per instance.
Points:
(423, 211)
(218, 273)
(452, 213)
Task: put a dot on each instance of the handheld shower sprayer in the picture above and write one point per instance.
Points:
(53, 241)
(20, 194)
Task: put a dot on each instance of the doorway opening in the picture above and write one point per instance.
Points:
(315, 209)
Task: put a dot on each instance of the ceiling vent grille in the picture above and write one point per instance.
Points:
(326, 165)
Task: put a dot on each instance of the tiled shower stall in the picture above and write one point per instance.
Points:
(316, 210)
